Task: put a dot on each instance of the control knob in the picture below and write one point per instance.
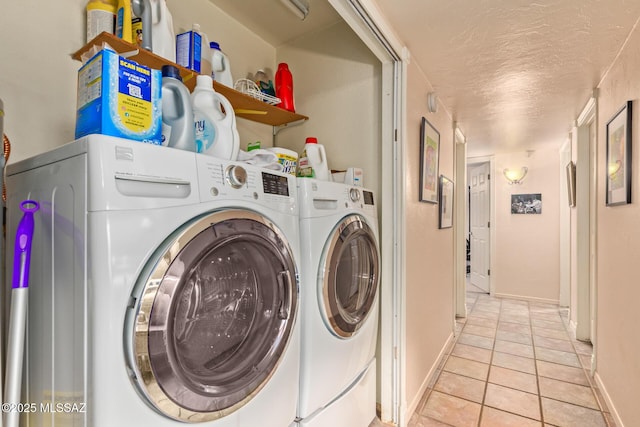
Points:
(236, 176)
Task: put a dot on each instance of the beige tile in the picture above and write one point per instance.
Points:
(494, 418)
(514, 401)
(568, 392)
(482, 331)
(514, 337)
(476, 341)
(521, 320)
(550, 333)
(556, 356)
(545, 324)
(514, 348)
(514, 327)
(554, 344)
(484, 314)
(418, 420)
(550, 317)
(451, 410)
(522, 364)
(585, 361)
(583, 348)
(459, 386)
(513, 379)
(468, 368)
(470, 352)
(482, 321)
(566, 414)
(562, 372)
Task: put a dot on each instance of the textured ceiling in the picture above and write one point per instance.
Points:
(514, 74)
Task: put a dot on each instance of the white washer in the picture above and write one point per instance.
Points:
(339, 294)
(163, 290)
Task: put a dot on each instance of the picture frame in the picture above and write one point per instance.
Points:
(429, 162)
(524, 204)
(445, 199)
(571, 183)
(618, 163)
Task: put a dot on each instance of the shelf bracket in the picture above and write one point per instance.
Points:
(277, 129)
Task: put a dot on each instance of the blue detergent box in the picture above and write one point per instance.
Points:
(119, 97)
(189, 50)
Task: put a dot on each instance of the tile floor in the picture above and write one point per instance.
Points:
(514, 363)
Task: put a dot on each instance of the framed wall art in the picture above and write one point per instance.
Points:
(446, 202)
(526, 203)
(619, 157)
(429, 153)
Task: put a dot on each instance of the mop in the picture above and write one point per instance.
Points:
(18, 315)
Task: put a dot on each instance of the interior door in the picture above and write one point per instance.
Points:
(213, 314)
(479, 207)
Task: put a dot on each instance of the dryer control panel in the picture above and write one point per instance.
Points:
(226, 180)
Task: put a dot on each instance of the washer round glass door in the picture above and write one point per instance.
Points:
(215, 315)
(349, 272)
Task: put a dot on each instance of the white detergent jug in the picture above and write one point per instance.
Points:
(216, 132)
(177, 112)
(164, 39)
(313, 162)
(220, 65)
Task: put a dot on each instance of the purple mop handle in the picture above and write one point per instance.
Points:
(22, 250)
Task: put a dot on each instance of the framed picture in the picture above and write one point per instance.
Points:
(571, 183)
(619, 157)
(526, 203)
(446, 202)
(429, 153)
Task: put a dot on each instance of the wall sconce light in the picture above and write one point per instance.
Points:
(298, 7)
(515, 176)
(432, 102)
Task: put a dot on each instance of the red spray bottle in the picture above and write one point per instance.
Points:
(284, 87)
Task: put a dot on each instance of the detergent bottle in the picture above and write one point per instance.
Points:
(177, 113)
(221, 68)
(101, 16)
(313, 161)
(162, 34)
(215, 129)
(123, 21)
(284, 87)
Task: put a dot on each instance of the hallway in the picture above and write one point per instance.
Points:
(514, 363)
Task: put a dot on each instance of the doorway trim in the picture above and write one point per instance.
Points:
(368, 22)
(586, 186)
(460, 244)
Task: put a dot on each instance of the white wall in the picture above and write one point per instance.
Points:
(429, 251)
(527, 247)
(618, 249)
(337, 83)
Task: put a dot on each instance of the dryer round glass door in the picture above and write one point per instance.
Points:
(213, 315)
(349, 272)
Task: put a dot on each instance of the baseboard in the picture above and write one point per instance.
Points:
(525, 298)
(607, 398)
(430, 376)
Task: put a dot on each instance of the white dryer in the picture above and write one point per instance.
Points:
(163, 288)
(339, 304)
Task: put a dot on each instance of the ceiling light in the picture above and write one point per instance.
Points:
(298, 7)
(515, 176)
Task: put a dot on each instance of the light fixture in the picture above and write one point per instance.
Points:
(432, 102)
(298, 7)
(515, 176)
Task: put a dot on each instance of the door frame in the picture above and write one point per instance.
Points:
(586, 187)
(367, 20)
(461, 210)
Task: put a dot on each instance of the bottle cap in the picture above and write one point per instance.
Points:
(202, 80)
(171, 71)
(283, 65)
(214, 45)
(311, 140)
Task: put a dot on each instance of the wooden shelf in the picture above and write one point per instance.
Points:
(244, 105)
